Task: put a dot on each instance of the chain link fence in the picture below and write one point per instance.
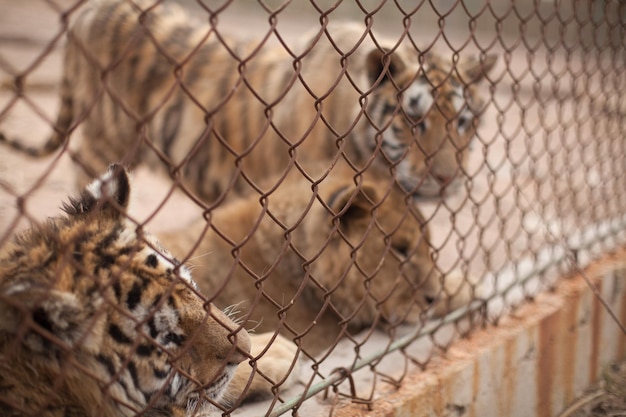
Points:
(370, 180)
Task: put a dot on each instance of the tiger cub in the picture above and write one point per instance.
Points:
(96, 319)
(147, 82)
(320, 262)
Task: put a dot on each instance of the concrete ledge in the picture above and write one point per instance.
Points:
(534, 363)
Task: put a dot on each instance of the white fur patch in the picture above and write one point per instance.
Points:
(186, 275)
(95, 187)
(458, 101)
(463, 113)
(129, 235)
(218, 388)
(392, 146)
(215, 392)
(163, 258)
(418, 99)
(176, 384)
(405, 174)
(17, 288)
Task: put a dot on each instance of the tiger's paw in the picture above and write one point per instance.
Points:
(274, 367)
(457, 292)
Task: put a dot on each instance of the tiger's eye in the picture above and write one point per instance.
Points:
(463, 122)
(403, 250)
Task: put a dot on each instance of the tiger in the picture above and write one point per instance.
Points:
(148, 83)
(97, 319)
(321, 260)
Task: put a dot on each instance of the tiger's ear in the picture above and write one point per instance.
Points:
(110, 194)
(474, 69)
(383, 64)
(352, 203)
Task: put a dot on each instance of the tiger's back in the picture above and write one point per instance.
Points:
(171, 91)
(176, 88)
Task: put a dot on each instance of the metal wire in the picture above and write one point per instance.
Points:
(541, 193)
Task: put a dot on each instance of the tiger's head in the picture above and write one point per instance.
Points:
(97, 319)
(360, 251)
(378, 265)
(423, 116)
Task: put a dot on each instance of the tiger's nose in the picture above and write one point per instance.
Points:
(241, 341)
(442, 179)
(231, 343)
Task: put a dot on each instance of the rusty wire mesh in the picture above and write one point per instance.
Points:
(542, 187)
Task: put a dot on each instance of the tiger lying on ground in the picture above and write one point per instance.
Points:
(96, 319)
(363, 260)
(153, 73)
